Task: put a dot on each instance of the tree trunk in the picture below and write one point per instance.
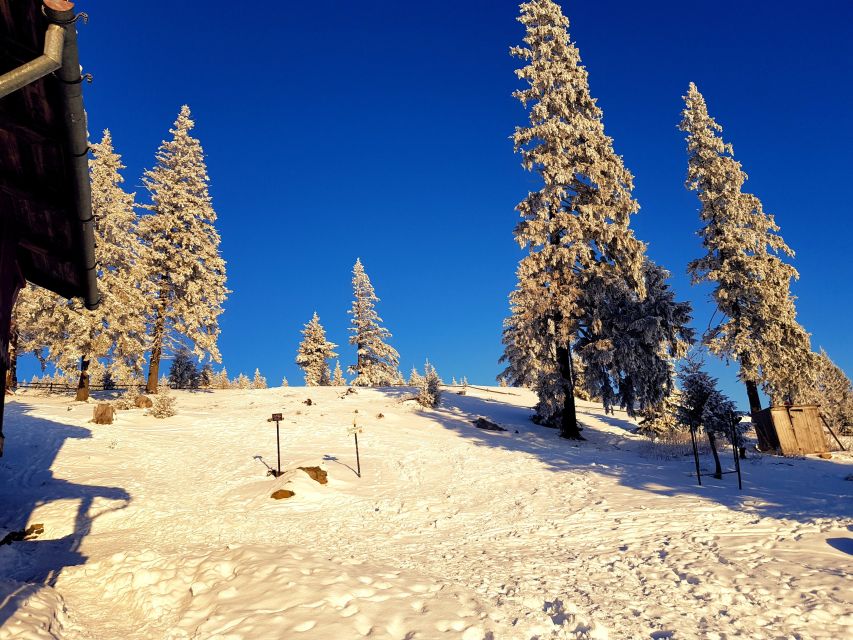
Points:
(718, 470)
(12, 374)
(569, 419)
(156, 352)
(752, 394)
(83, 383)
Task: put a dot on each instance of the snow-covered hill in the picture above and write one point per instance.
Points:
(166, 529)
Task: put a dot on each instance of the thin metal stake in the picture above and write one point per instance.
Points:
(696, 455)
(277, 448)
(357, 460)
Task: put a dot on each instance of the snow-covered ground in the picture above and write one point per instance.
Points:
(166, 529)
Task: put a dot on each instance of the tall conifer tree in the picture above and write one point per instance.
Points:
(575, 228)
(376, 361)
(186, 272)
(759, 329)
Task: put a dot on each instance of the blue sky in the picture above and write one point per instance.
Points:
(380, 130)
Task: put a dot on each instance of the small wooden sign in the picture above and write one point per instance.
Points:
(276, 417)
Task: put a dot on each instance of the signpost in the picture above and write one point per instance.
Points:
(355, 430)
(276, 417)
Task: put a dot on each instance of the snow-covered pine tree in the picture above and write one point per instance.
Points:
(74, 337)
(258, 381)
(183, 374)
(338, 379)
(628, 344)
(376, 360)
(576, 224)
(414, 378)
(284, 382)
(241, 382)
(183, 265)
(314, 353)
(221, 380)
(759, 329)
(453, 382)
(206, 376)
(831, 389)
(429, 389)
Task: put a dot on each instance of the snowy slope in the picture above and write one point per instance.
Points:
(166, 528)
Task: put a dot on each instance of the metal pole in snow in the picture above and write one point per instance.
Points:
(278, 448)
(734, 450)
(357, 460)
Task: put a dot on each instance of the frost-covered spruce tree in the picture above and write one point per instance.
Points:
(338, 379)
(182, 261)
(576, 224)
(376, 360)
(75, 338)
(429, 389)
(414, 378)
(629, 344)
(259, 381)
(759, 329)
(831, 389)
(314, 353)
(284, 382)
(183, 373)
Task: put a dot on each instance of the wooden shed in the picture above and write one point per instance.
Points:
(46, 224)
(791, 429)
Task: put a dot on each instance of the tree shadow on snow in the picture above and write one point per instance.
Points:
(774, 486)
(27, 483)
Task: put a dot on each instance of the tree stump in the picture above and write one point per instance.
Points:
(104, 413)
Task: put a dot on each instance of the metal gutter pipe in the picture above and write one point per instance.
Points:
(49, 61)
(61, 13)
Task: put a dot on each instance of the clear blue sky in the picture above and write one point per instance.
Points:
(381, 129)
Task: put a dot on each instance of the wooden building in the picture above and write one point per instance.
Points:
(791, 429)
(46, 225)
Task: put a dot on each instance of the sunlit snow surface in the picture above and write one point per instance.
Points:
(165, 528)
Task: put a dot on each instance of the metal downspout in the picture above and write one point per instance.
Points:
(61, 13)
(28, 73)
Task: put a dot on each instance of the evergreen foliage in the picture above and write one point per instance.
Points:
(258, 381)
(743, 262)
(182, 263)
(164, 404)
(314, 353)
(575, 228)
(429, 390)
(338, 379)
(414, 378)
(831, 389)
(628, 343)
(376, 361)
(183, 374)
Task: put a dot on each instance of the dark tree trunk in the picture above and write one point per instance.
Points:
(156, 352)
(569, 419)
(718, 469)
(12, 373)
(752, 394)
(83, 383)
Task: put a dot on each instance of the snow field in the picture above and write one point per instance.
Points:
(165, 528)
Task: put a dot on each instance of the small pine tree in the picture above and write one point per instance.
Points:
(453, 382)
(376, 361)
(703, 406)
(429, 391)
(183, 374)
(314, 353)
(241, 382)
(415, 378)
(284, 382)
(163, 404)
(258, 381)
(221, 380)
(338, 379)
(206, 377)
(831, 389)
(502, 382)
